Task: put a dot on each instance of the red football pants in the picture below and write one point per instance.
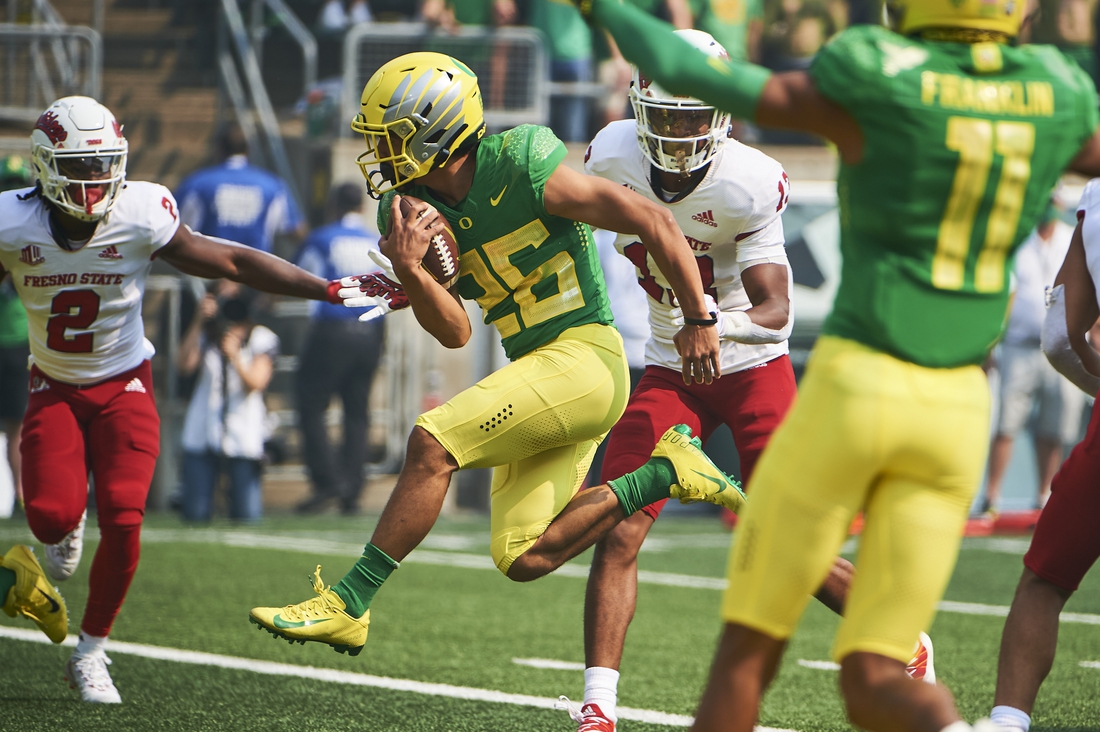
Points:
(111, 428)
(1066, 542)
(751, 403)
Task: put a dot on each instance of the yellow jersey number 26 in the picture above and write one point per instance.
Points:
(499, 269)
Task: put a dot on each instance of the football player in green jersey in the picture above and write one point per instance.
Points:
(521, 219)
(950, 140)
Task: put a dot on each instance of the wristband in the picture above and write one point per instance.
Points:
(332, 292)
(702, 321)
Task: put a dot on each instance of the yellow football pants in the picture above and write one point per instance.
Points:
(538, 421)
(903, 443)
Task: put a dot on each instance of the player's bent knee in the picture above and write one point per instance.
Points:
(863, 675)
(50, 523)
(1034, 584)
(523, 569)
(425, 451)
(121, 518)
(521, 564)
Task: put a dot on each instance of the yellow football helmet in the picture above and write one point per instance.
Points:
(416, 111)
(994, 16)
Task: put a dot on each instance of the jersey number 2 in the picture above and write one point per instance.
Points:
(976, 141)
(86, 303)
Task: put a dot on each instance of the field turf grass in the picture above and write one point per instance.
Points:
(464, 625)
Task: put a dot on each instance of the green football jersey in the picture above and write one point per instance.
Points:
(963, 144)
(533, 274)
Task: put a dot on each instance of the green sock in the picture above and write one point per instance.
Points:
(648, 484)
(359, 585)
(7, 581)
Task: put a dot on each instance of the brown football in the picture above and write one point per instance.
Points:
(441, 259)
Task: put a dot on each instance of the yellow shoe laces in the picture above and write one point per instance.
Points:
(315, 607)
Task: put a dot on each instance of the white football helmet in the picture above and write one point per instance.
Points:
(79, 157)
(678, 134)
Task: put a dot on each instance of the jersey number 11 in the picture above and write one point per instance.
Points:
(976, 141)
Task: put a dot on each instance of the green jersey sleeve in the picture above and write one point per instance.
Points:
(544, 153)
(848, 69)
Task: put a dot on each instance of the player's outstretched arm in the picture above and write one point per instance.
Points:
(788, 100)
(1071, 313)
(201, 256)
(438, 310)
(606, 205)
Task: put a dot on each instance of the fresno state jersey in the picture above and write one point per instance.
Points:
(731, 218)
(84, 306)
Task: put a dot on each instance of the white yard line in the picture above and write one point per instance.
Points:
(270, 668)
(253, 540)
(1090, 664)
(819, 665)
(549, 663)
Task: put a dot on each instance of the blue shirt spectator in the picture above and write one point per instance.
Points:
(238, 201)
(339, 358)
(340, 249)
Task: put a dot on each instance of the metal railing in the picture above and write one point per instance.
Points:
(510, 62)
(43, 62)
(298, 31)
(251, 95)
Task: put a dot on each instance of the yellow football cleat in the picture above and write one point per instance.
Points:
(33, 596)
(321, 619)
(698, 478)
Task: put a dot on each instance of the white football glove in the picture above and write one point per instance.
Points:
(379, 291)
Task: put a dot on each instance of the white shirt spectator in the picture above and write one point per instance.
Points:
(359, 12)
(245, 418)
(1037, 264)
(333, 17)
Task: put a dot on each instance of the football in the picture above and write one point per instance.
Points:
(441, 259)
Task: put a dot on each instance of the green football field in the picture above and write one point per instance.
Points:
(455, 646)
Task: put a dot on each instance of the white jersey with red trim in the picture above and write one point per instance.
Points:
(732, 220)
(1088, 212)
(84, 306)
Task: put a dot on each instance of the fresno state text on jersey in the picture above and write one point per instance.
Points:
(84, 306)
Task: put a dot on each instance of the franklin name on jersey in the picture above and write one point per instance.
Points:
(732, 217)
(84, 306)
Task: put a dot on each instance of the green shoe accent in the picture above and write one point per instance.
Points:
(278, 622)
(648, 484)
(358, 586)
(7, 581)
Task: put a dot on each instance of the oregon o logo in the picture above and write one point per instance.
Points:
(465, 223)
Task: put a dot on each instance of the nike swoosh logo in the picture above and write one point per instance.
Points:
(280, 623)
(495, 201)
(54, 607)
(712, 479)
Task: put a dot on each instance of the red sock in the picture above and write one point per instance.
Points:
(114, 565)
